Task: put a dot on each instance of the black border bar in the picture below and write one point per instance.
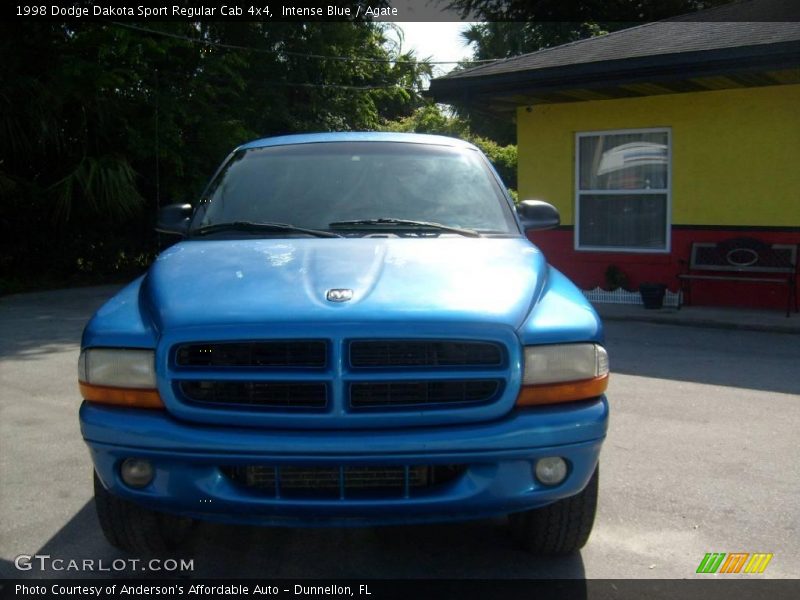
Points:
(700, 588)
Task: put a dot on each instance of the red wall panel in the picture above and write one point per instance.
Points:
(587, 269)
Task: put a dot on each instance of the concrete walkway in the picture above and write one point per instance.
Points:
(705, 316)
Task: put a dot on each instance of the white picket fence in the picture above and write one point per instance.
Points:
(620, 296)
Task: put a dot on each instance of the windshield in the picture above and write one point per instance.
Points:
(316, 185)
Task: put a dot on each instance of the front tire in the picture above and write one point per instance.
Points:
(559, 528)
(137, 530)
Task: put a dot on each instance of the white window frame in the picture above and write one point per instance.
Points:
(668, 191)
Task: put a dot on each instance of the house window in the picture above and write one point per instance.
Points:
(622, 189)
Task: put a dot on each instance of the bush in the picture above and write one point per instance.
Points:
(434, 119)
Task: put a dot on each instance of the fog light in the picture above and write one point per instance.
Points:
(136, 472)
(551, 470)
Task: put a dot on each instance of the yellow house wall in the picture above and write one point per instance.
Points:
(735, 153)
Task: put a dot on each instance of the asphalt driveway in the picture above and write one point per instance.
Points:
(702, 456)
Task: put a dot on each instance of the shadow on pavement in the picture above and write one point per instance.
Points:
(743, 359)
(35, 325)
(477, 549)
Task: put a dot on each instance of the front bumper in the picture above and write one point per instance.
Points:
(498, 457)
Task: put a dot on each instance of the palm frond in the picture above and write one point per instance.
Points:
(101, 186)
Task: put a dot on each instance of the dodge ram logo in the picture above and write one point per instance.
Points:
(339, 295)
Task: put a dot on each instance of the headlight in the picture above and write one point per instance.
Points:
(119, 376)
(563, 373)
(118, 368)
(568, 362)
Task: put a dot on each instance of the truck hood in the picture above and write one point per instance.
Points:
(200, 283)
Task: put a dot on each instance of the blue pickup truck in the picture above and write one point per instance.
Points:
(353, 330)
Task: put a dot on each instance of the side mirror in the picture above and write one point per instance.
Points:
(174, 219)
(537, 215)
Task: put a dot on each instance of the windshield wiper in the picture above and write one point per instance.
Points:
(255, 227)
(387, 223)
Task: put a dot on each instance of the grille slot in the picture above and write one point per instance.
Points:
(278, 353)
(424, 353)
(342, 481)
(320, 378)
(267, 394)
(422, 393)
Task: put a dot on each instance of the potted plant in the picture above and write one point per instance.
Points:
(615, 278)
(652, 294)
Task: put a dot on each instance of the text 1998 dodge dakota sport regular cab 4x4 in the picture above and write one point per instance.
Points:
(354, 330)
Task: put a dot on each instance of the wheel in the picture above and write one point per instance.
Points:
(134, 529)
(559, 528)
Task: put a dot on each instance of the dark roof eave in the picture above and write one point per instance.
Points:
(621, 71)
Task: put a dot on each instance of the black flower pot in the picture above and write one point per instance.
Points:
(653, 294)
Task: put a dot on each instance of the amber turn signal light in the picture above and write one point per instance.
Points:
(129, 397)
(568, 391)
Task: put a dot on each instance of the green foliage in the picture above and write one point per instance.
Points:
(432, 118)
(513, 27)
(102, 123)
(106, 186)
(597, 11)
(504, 158)
(616, 278)
(507, 39)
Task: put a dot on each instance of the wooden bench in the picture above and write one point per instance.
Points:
(742, 259)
